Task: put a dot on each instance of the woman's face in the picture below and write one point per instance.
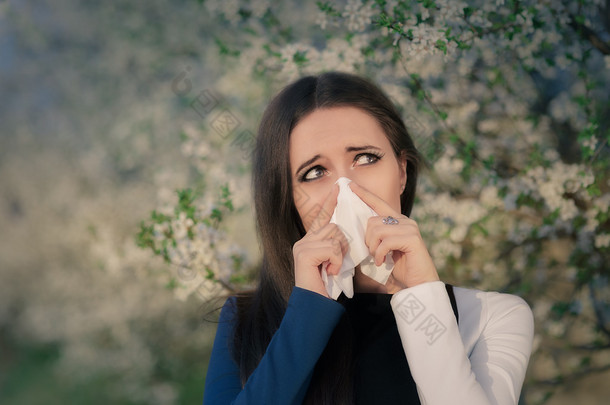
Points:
(342, 142)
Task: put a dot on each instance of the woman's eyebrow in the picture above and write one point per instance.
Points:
(347, 149)
(307, 163)
(360, 148)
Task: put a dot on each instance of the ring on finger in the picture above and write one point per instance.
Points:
(389, 220)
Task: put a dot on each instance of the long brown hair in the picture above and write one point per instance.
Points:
(279, 225)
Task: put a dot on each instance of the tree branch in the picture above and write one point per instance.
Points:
(590, 35)
(598, 311)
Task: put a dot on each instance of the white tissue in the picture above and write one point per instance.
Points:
(351, 215)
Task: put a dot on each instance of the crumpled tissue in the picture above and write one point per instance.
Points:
(351, 215)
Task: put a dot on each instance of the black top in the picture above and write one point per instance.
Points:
(382, 374)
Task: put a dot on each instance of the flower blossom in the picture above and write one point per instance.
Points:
(590, 143)
(358, 15)
(602, 240)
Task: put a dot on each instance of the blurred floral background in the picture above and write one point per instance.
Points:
(126, 134)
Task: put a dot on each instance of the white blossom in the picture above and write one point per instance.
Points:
(358, 15)
(449, 169)
(590, 143)
(322, 20)
(490, 198)
(467, 223)
(228, 8)
(602, 240)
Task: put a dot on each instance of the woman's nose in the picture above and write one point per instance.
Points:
(337, 176)
(344, 172)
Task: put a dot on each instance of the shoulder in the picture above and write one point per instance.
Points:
(301, 301)
(490, 304)
(233, 310)
(228, 316)
(486, 313)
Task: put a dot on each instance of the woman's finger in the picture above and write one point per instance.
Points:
(377, 204)
(325, 212)
(389, 244)
(319, 253)
(335, 258)
(333, 233)
(376, 230)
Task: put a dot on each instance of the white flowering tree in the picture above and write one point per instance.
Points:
(508, 103)
(90, 142)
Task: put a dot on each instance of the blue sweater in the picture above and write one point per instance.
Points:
(481, 361)
(284, 372)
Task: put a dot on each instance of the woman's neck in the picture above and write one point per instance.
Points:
(365, 284)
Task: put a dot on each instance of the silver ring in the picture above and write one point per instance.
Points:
(389, 221)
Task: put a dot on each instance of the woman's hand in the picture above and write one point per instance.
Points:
(324, 243)
(412, 262)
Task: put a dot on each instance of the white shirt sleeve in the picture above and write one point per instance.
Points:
(483, 361)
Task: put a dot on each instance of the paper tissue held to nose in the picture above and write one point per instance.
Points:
(351, 215)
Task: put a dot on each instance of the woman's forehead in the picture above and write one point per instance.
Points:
(329, 124)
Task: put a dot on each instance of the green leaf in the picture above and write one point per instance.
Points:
(209, 274)
(383, 20)
(159, 218)
(551, 218)
(267, 47)
(327, 8)
(441, 45)
(594, 190)
(463, 45)
(171, 284)
(489, 162)
(238, 279)
(238, 261)
(223, 49)
(481, 229)
(216, 214)
(144, 237)
(300, 58)
(225, 197)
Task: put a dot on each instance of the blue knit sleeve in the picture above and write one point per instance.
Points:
(284, 372)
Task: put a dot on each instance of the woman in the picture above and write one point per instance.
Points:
(410, 340)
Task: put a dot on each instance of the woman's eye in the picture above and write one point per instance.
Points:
(313, 173)
(365, 159)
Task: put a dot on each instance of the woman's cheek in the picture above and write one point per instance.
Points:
(388, 191)
(306, 216)
(309, 197)
(307, 207)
